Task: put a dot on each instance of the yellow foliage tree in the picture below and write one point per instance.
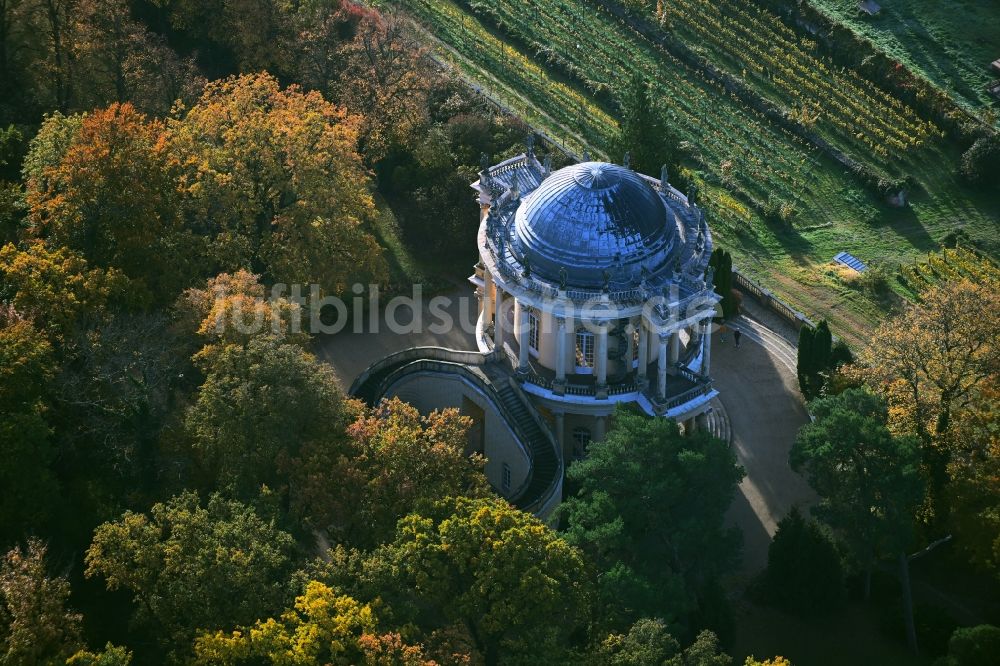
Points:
(56, 288)
(930, 363)
(323, 628)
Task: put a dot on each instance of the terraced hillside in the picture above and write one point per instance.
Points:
(783, 196)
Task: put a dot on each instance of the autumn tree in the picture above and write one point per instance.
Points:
(119, 60)
(386, 79)
(192, 566)
(394, 462)
(30, 489)
(111, 655)
(973, 491)
(259, 405)
(323, 28)
(274, 178)
(36, 627)
(929, 362)
(869, 480)
(233, 308)
(323, 628)
(111, 197)
(514, 586)
(58, 290)
(649, 512)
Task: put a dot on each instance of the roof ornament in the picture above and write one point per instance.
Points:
(627, 160)
(515, 191)
(586, 155)
(563, 277)
(529, 143)
(484, 163)
(491, 221)
(547, 165)
(606, 275)
(710, 277)
(664, 178)
(700, 243)
(527, 268)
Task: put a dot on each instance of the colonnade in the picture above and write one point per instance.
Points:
(494, 300)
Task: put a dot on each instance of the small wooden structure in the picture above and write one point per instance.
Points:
(996, 65)
(869, 7)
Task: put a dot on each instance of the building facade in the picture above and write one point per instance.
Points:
(594, 292)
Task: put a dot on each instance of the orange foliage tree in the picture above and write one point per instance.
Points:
(111, 197)
(274, 177)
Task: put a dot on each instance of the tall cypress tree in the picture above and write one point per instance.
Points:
(722, 262)
(643, 130)
(821, 347)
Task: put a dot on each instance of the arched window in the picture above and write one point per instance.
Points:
(584, 351)
(581, 438)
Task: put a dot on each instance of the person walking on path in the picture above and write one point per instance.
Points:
(737, 334)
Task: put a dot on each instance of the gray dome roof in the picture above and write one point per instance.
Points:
(591, 218)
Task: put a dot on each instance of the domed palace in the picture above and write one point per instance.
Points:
(594, 291)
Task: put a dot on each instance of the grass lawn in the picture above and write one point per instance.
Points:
(951, 43)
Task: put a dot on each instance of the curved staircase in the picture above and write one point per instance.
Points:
(489, 374)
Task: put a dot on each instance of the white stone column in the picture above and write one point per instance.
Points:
(561, 350)
(521, 322)
(643, 350)
(602, 354)
(661, 368)
(706, 359)
(498, 322)
(487, 297)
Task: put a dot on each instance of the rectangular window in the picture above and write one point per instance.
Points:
(584, 351)
(533, 333)
(505, 478)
